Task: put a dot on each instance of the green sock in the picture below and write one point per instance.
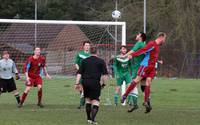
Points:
(116, 97)
(82, 101)
(134, 100)
(130, 99)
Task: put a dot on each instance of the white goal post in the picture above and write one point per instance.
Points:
(123, 24)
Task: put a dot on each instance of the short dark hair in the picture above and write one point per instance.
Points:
(93, 50)
(161, 34)
(143, 36)
(5, 52)
(122, 46)
(86, 42)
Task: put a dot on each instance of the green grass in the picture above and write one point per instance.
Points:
(175, 102)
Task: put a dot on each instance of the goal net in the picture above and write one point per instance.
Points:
(59, 41)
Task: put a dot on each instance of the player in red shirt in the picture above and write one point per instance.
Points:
(147, 68)
(33, 69)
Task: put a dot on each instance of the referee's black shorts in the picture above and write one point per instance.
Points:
(7, 85)
(92, 89)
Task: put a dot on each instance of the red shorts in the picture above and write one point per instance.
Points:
(35, 82)
(146, 71)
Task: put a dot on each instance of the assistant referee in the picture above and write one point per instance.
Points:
(93, 71)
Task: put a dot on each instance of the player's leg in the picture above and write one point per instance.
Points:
(147, 95)
(38, 82)
(39, 103)
(82, 98)
(132, 97)
(88, 109)
(95, 109)
(133, 100)
(131, 87)
(17, 96)
(11, 87)
(117, 90)
(24, 95)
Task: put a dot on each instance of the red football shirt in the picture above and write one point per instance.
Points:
(34, 66)
(151, 51)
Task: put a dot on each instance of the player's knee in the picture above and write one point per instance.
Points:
(148, 82)
(95, 102)
(27, 89)
(39, 87)
(87, 100)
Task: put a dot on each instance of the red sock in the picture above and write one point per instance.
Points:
(146, 93)
(130, 88)
(39, 96)
(23, 97)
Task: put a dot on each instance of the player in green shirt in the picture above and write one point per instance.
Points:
(78, 60)
(132, 98)
(122, 70)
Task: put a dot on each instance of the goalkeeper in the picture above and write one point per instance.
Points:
(7, 71)
(85, 53)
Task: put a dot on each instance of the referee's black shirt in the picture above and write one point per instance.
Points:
(92, 68)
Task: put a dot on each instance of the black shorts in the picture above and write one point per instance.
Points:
(92, 89)
(7, 85)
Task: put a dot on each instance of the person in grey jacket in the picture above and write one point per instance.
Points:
(8, 70)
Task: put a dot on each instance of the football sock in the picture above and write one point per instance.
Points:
(134, 100)
(146, 93)
(88, 108)
(82, 101)
(130, 99)
(39, 96)
(130, 88)
(23, 97)
(95, 109)
(116, 97)
(17, 98)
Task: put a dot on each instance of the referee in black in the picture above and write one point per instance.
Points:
(94, 73)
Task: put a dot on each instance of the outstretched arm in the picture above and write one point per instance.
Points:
(143, 50)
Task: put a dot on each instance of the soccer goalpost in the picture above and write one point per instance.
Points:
(60, 41)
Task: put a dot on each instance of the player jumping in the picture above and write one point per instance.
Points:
(147, 67)
(132, 98)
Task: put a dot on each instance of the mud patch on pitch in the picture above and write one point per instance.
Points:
(173, 90)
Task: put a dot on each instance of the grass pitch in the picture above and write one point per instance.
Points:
(175, 102)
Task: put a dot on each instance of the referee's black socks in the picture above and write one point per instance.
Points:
(94, 112)
(88, 108)
(17, 98)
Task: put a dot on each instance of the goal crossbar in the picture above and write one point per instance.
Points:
(123, 24)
